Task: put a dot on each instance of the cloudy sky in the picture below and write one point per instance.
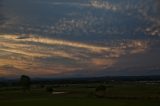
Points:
(79, 38)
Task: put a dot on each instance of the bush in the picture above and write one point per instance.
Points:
(100, 91)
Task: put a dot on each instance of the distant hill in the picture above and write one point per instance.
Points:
(96, 79)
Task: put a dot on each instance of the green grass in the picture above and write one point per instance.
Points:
(78, 102)
(81, 95)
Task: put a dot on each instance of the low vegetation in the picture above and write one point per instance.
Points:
(112, 93)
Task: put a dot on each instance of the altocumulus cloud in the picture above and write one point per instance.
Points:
(82, 42)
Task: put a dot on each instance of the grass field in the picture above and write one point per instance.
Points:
(80, 95)
(79, 102)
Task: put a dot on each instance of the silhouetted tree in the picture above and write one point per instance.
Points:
(100, 91)
(25, 82)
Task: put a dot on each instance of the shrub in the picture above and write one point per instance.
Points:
(100, 91)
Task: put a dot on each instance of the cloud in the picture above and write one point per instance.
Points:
(65, 3)
(146, 63)
(57, 42)
(54, 56)
(81, 41)
(149, 11)
(103, 5)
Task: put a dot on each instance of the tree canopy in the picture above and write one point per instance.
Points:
(25, 82)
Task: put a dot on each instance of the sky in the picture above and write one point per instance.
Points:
(79, 38)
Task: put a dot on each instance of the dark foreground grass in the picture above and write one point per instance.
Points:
(79, 102)
(82, 95)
